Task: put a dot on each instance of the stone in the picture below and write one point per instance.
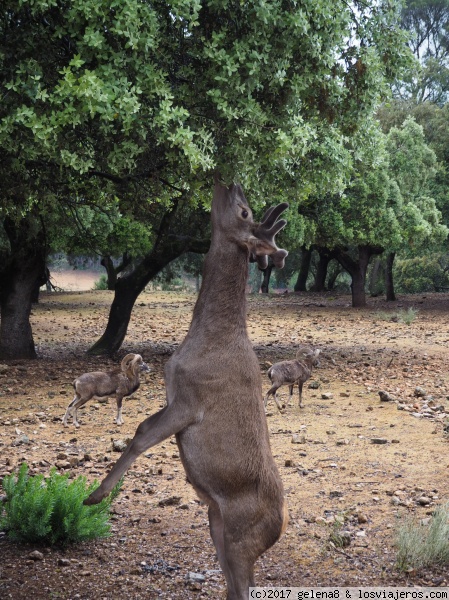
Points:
(362, 518)
(423, 500)
(36, 555)
(342, 442)
(298, 439)
(62, 464)
(196, 577)
(63, 562)
(335, 494)
(172, 501)
(419, 392)
(327, 396)
(119, 445)
(379, 441)
(386, 397)
(22, 440)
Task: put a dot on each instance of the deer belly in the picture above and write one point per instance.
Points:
(217, 454)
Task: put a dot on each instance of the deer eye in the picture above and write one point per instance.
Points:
(244, 213)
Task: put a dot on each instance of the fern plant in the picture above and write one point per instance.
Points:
(51, 511)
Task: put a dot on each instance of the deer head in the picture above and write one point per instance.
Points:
(232, 216)
(134, 362)
(307, 353)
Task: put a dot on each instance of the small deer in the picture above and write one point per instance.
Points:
(213, 387)
(120, 382)
(291, 373)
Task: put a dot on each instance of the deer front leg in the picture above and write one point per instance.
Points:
(168, 421)
(118, 418)
(290, 388)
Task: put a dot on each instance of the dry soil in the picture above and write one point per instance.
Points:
(349, 461)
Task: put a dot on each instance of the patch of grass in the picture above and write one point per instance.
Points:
(400, 316)
(408, 316)
(51, 511)
(423, 545)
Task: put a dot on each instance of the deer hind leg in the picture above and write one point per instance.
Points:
(216, 528)
(272, 392)
(290, 388)
(72, 409)
(242, 538)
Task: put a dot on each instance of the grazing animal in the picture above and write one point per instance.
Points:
(291, 373)
(214, 386)
(120, 382)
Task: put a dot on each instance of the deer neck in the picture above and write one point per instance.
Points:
(221, 305)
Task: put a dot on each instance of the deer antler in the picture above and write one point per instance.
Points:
(265, 232)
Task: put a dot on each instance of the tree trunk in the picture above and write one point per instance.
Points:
(375, 277)
(389, 284)
(128, 288)
(357, 268)
(111, 272)
(301, 282)
(325, 256)
(265, 287)
(43, 279)
(23, 268)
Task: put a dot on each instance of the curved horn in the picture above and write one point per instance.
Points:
(134, 364)
(126, 360)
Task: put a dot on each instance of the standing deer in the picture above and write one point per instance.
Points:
(213, 387)
(120, 382)
(291, 373)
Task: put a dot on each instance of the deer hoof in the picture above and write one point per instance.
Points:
(95, 498)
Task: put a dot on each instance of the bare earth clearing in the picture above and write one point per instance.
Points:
(160, 530)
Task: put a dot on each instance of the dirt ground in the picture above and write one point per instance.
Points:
(346, 456)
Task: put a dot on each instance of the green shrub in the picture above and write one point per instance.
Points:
(408, 316)
(51, 511)
(424, 273)
(420, 546)
(102, 283)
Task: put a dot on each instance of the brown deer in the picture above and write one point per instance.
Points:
(291, 373)
(120, 382)
(214, 386)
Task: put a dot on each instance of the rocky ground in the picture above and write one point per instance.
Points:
(353, 461)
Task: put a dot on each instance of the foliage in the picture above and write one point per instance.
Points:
(140, 101)
(102, 283)
(424, 545)
(51, 511)
(387, 202)
(427, 21)
(424, 273)
(156, 93)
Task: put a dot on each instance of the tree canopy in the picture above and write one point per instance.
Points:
(142, 100)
